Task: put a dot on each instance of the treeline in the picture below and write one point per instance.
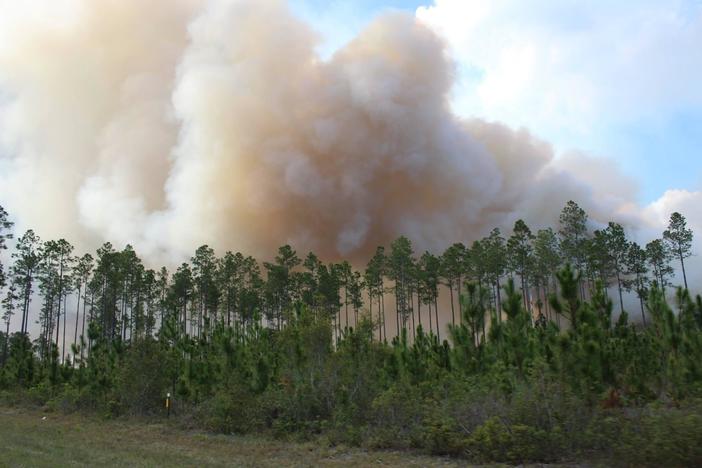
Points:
(532, 365)
(115, 293)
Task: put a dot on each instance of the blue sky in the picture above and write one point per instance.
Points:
(617, 80)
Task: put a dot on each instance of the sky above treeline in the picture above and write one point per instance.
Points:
(337, 126)
(617, 80)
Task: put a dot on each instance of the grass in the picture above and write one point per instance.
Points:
(31, 438)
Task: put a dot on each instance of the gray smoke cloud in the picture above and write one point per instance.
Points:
(169, 124)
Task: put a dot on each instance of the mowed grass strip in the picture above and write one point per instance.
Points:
(28, 440)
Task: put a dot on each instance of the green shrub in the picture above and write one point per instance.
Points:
(661, 437)
(397, 418)
(517, 443)
(443, 436)
(233, 410)
(39, 394)
(142, 379)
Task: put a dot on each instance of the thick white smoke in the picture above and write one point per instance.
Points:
(169, 124)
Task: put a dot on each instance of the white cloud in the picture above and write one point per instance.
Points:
(567, 69)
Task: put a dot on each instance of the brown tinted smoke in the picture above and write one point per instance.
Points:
(169, 124)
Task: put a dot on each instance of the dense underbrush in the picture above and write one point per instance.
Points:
(464, 419)
(518, 391)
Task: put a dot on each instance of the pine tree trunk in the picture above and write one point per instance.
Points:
(411, 298)
(458, 294)
(619, 286)
(90, 340)
(453, 313)
(419, 307)
(397, 310)
(430, 319)
(25, 307)
(499, 301)
(382, 311)
(58, 325)
(346, 305)
(75, 333)
(63, 346)
(436, 312)
(7, 340)
(639, 287)
(682, 264)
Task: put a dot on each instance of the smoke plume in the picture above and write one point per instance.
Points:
(169, 124)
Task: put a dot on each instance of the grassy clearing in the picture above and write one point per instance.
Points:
(27, 439)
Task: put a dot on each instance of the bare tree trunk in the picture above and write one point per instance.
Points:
(370, 309)
(499, 301)
(7, 340)
(90, 340)
(429, 307)
(382, 311)
(24, 310)
(419, 308)
(682, 264)
(639, 288)
(458, 294)
(397, 310)
(411, 298)
(58, 324)
(75, 333)
(436, 314)
(453, 313)
(63, 346)
(346, 305)
(619, 286)
(58, 312)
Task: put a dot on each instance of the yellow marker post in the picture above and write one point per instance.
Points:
(168, 404)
